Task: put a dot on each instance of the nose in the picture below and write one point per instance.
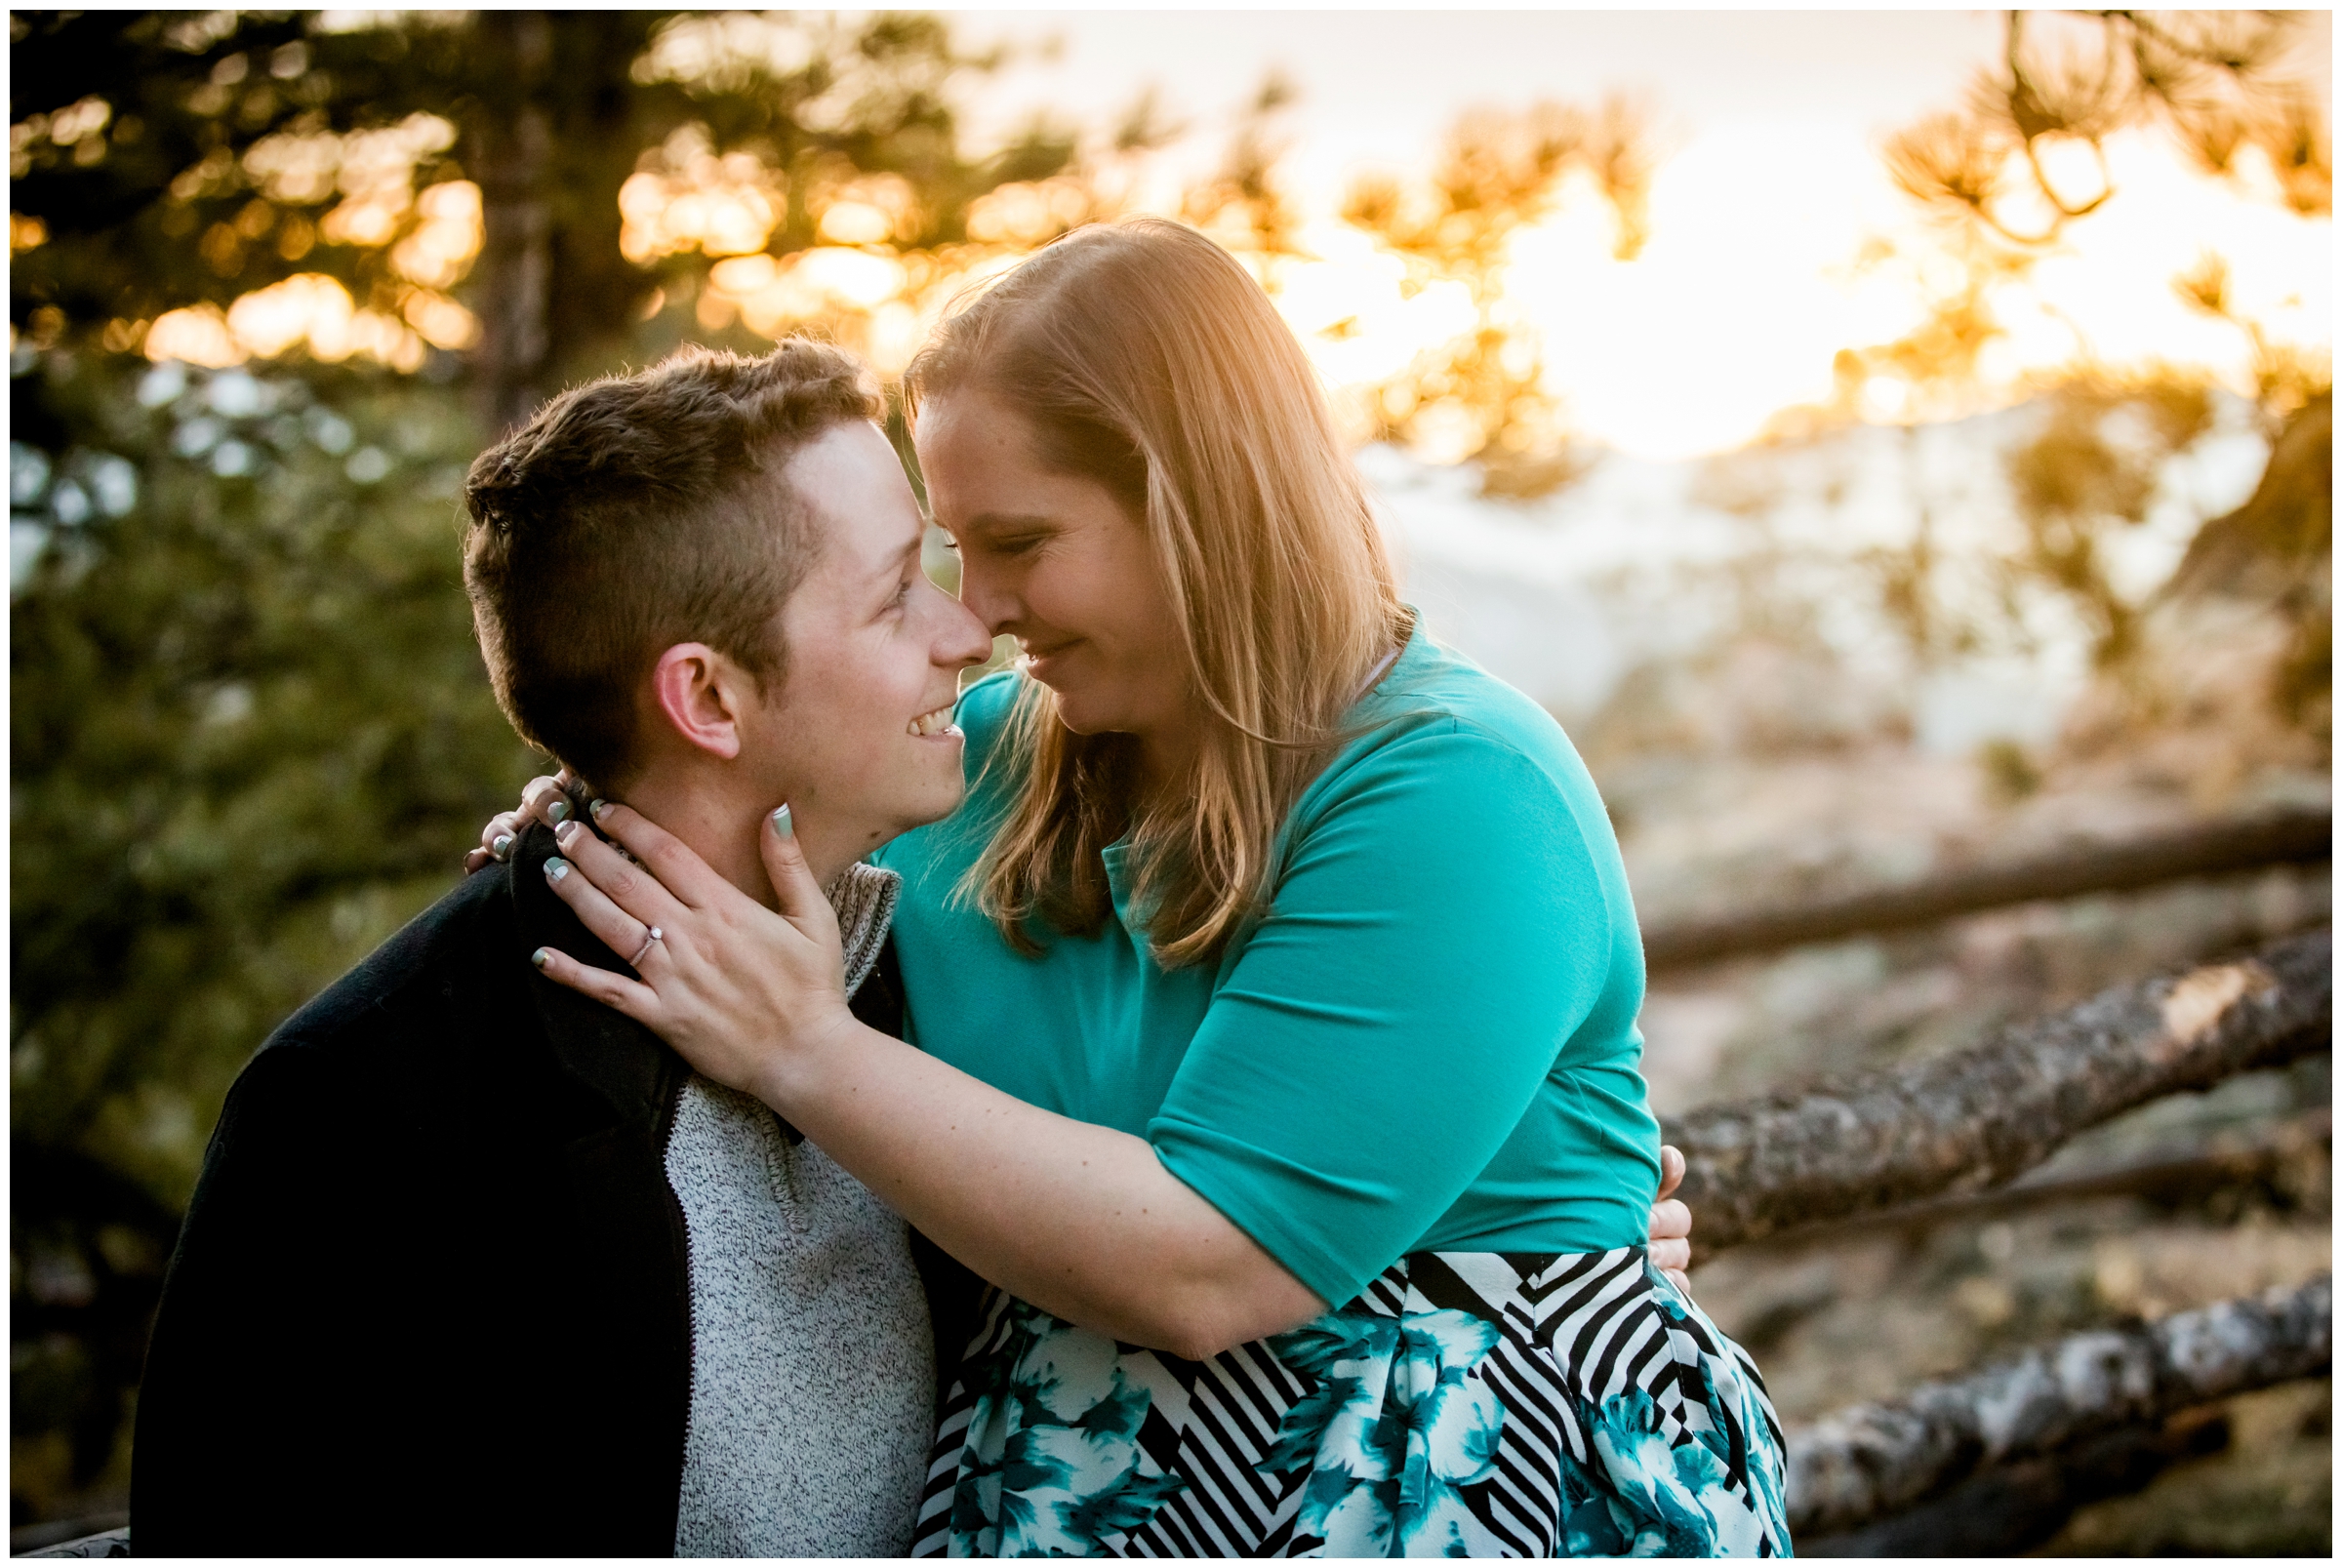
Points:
(987, 596)
(962, 639)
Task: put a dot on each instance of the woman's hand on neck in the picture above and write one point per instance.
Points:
(713, 766)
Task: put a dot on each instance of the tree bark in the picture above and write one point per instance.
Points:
(2279, 838)
(515, 140)
(1871, 1461)
(1978, 1118)
(2168, 1178)
(2005, 1509)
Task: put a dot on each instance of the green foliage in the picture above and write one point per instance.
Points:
(172, 159)
(251, 732)
(129, 140)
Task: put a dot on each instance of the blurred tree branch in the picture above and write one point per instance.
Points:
(2009, 174)
(1481, 395)
(1242, 205)
(2212, 81)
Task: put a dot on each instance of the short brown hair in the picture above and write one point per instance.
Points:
(636, 512)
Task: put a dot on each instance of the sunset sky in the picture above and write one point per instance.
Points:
(1770, 188)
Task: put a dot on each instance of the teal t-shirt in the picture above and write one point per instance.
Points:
(1428, 1041)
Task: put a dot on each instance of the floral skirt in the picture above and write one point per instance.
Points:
(1465, 1403)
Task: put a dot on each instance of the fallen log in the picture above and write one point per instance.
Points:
(2170, 1179)
(2276, 838)
(1872, 1461)
(2004, 1509)
(1978, 1118)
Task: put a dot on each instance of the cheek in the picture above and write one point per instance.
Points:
(849, 714)
(1145, 610)
(1115, 601)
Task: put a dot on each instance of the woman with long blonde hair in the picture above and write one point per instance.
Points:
(1272, 998)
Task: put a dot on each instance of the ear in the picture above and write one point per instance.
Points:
(703, 696)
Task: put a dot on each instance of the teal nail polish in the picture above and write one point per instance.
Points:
(598, 808)
(781, 823)
(555, 868)
(501, 848)
(539, 957)
(558, 810)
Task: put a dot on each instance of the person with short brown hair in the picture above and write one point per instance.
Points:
(478, 1265)
(636, 512)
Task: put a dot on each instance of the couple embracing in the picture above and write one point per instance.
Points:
(1178, 1098)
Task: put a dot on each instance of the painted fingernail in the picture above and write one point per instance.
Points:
(781, 823)
(558, 810)
(539, 957)
(501, 848)
(598, 808)
(567, 831)
(555, 868)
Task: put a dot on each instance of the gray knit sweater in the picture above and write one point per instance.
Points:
(813, 1369)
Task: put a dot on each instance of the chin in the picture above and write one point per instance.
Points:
(932, 804)
(1083, 717)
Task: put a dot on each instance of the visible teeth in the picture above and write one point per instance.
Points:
(934, 723)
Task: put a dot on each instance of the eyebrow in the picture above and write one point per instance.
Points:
(1008, 522)
(894, 564)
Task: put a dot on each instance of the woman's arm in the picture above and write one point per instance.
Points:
(1084, 1221)
(1200, 1279)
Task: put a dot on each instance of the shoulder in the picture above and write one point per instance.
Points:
(362, 1068)
(1456, 781)
(429, 974)
(1443, 726)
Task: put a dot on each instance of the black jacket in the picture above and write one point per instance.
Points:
(432, 1293)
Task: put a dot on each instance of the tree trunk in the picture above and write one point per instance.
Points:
(1979, 1117)
(1872, 1461)
(514, 155)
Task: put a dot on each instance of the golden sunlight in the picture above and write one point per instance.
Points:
(1755, 275)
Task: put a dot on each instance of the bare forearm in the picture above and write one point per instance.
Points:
(1082, 1220)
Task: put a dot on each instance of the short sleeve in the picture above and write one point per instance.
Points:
(1439, 930)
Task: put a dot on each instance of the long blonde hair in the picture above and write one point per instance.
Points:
(1147, 360)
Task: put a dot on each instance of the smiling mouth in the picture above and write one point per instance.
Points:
(932, 724)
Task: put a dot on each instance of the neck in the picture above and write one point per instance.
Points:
(723, 826)
(1166, 759)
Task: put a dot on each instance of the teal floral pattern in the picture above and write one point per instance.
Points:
(1393, 1430)
(1466, 1404)
(1052, 1464)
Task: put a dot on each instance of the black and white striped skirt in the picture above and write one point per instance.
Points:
(1465, 1403)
